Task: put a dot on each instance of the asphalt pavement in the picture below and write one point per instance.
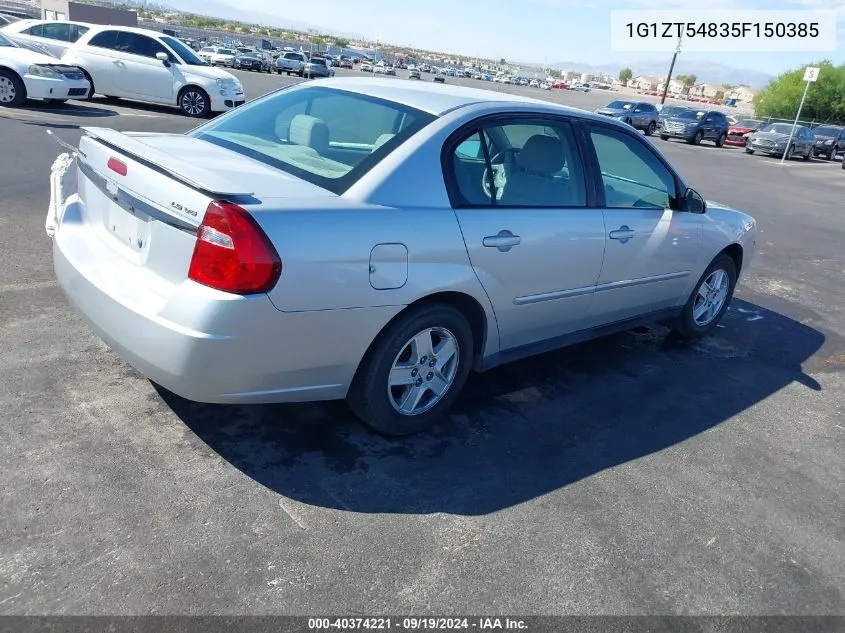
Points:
(630, 475)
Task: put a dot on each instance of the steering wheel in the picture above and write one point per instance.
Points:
(498, 163)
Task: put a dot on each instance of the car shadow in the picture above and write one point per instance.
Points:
(523, 430)
(80, 109)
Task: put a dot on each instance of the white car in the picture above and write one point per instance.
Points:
(206, 52)
(130, 63)
(51, 37)
(379, 69)
(27, 74)
(366, 67)
(223, 57)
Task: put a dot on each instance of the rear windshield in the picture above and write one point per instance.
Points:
(620, 105)
(326, 136)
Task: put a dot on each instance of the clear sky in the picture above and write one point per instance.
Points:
(519, 30)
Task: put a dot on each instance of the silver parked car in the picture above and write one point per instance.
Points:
(772, 140)
(383, 245)
(638, 114)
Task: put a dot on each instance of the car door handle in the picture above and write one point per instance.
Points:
(623, 234)
(504, 241)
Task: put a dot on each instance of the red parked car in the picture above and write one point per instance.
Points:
(738, 131)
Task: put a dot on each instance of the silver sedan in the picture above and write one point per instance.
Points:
(376, 241)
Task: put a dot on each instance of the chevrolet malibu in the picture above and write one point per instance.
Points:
(376, 241)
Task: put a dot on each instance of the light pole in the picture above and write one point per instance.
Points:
(671, 68)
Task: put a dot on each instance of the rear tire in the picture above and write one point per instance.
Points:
(721, 140)
(379, 395)
(709, 300)
(663, 137)
(749, 151)
(809, 154)
(650, 129)
(12, 89)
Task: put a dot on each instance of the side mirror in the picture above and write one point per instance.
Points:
(693, 202)
(162, 57)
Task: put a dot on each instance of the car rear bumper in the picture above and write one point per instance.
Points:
(206, 345)
(45, 88)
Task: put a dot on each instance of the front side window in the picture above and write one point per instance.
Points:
(518, 164)
(325, 136)
(631, 173)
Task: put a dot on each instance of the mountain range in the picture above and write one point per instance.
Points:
(705, 71)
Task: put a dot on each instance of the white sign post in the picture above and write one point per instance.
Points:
(811, 74)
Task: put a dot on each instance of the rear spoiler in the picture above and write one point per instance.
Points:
(177, 167)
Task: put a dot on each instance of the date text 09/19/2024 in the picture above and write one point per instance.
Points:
(416, 624)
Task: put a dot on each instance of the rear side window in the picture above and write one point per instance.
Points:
(631, 173)
(37, 30)
(77, 31)
(517, 164)
(57, 31)
(328, 137)
(105, 39)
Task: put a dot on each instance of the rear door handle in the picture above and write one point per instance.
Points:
(623, 234)
(504, 241)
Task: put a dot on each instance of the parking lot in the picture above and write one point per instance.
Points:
(634, 474)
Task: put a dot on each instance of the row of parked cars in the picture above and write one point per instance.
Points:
(61, 60)
(695, 125)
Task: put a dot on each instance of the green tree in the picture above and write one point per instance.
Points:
(825, 97)
(720, 94)
(625, 75)
(342, 42)
(687, 80)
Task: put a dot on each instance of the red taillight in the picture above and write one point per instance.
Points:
(117, 166)
(232, 253)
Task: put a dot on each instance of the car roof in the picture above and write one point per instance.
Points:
(435, 98)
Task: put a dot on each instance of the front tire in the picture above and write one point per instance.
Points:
(749, 151)
(709, 300)
(696, 140)
(663, 137)
(194, 102)
(12, 89)
(414, 371)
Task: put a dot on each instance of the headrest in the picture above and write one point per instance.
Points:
(542, 154)
(309, 131)
(381, 140)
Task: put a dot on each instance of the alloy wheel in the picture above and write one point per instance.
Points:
(193, 103)
(710, 297)
(423, 371)
(8, 92)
